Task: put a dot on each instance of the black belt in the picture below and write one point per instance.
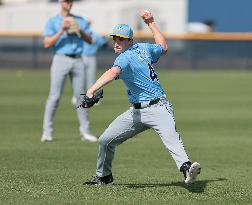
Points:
(140, 105)
(73, 55)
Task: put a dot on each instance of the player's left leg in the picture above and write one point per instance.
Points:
(89, 74)
(163, 122)
(90, 68)
(77, 75)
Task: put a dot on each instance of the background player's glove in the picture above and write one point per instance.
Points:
(74, 26)
(89, 102)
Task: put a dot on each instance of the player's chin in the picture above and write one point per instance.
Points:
(117, 50)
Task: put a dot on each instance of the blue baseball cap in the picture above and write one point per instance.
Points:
(122, 30)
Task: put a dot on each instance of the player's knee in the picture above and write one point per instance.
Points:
(103, 140)
(53, 99)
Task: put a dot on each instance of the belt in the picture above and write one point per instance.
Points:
(73, 55)
(145, 104)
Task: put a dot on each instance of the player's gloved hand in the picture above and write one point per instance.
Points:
(74, 27)
(88, 102)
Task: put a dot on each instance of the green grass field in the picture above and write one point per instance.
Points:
(213, 112)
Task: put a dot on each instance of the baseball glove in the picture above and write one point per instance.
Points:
(89, 102)
(74, 26)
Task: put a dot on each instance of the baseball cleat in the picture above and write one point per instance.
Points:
(190, 171)
(87, 136)
(46, 138)
(100, 180)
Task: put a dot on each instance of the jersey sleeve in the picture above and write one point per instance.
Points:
(49, 30)
(121, 62)
(156, 51)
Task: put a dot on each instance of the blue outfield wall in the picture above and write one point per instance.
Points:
(229, 15)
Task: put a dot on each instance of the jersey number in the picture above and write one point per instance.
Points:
(153, 75)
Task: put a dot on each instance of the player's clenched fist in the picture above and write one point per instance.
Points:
(147, 16)
(65, 24)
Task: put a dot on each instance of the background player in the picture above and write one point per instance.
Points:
(67, 47)
(151, 108)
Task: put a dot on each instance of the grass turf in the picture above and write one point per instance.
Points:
(213, 111)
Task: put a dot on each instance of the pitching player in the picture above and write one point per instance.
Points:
(65, 33)
(150, 106)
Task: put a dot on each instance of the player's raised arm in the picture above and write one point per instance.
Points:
(158, 36)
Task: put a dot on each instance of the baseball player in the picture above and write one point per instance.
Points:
(150, 106)
(89, 59)
(65, 33)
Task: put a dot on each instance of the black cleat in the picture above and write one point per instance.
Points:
(190, 171)
(100, 180)
(185, 168)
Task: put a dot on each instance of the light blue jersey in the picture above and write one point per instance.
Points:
(137, 72)
(67, 43)
(91, 49)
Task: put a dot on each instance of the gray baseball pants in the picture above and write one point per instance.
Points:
(63, 66)
(90, 70)
(133, 121)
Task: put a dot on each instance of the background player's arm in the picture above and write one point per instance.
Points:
(106, 78)
(50, 41)
(158, 36)
(86, 37)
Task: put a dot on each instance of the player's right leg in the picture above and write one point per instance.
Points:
(59, 72)
(122, 128)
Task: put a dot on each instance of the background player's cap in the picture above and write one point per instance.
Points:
(122, 30)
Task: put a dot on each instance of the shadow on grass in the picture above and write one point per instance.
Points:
(197, 187)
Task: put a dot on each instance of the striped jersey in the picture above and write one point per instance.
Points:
(138, 73)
